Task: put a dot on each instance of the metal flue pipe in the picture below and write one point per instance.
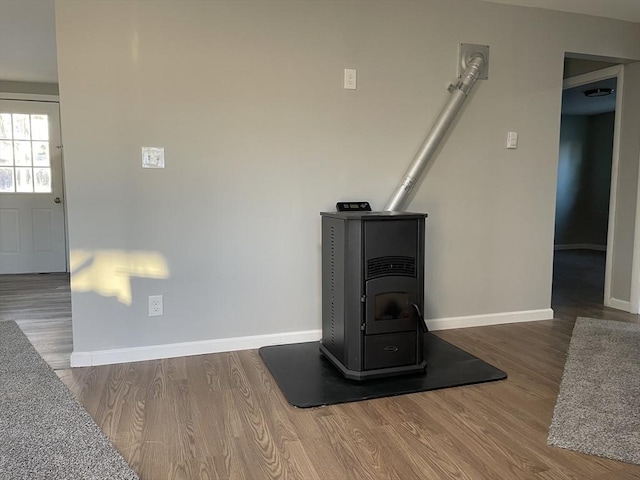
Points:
(459, 93)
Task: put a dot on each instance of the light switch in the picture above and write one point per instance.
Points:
(152, 157)
(512, 140)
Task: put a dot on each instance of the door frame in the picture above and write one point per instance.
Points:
(635, 266)
(38, 97)
(616, 71)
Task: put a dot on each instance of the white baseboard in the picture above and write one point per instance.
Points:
(490, 319)
(154, 352)
(619, 304)
(581, 246)
(80, 359)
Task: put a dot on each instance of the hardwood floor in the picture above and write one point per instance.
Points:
(41, 305)
(221, 416)
(578, 287)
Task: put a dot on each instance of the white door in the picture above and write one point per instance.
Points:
(32, 229)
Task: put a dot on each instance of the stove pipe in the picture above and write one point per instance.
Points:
(459, 93)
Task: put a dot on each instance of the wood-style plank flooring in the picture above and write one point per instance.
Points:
(578, 286)
(41, 305)
(221, 416)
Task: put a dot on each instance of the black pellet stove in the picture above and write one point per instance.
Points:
(373, 292)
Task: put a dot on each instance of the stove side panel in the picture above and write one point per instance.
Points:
(333, 281)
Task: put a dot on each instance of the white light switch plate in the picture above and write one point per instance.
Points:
(512, 140)
(152, 157)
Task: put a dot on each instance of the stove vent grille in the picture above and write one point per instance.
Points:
(332, 286)
(391, 266)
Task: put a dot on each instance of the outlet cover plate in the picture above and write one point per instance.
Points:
(156, 307)
(350, 80)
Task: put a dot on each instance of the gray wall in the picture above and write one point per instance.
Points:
(584, 179)
(259, 136)
(625, 209)
(7, 86)
(577, 66)
(600, 146)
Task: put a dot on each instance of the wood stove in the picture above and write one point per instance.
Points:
(373, 293)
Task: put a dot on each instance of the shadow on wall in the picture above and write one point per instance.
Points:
(108, 272)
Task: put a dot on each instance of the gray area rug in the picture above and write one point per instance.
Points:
(44, 432)
(598, 408)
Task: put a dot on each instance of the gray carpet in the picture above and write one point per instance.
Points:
(598, 408)
(44, 432)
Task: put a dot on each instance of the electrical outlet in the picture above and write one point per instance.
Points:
(350, 78)
(156, 308)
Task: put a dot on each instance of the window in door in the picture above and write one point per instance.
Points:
(25, 165)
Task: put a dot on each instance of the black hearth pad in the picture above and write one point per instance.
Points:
(307, 379)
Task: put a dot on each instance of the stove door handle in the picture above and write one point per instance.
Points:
(421, 322)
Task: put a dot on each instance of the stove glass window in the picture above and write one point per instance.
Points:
(393, 306)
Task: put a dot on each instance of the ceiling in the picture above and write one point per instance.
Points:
(628, 10)
(28, 37)
(575, 103)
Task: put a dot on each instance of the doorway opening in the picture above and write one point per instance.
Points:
(34, 278)
(585, 190)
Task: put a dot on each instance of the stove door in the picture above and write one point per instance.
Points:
(389, 305)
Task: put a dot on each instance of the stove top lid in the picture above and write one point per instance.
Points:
(374, 215)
